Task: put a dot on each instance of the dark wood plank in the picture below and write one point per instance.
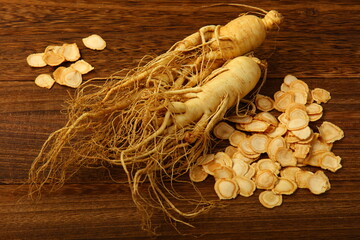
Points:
(318, 42)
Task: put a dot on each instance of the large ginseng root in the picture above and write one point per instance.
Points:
(155, 120)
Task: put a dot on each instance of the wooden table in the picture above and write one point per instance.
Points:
(318, 43)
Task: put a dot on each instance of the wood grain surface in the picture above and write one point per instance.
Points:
(318, 42)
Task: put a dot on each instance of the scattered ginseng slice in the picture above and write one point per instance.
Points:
(36, 60)
(264, 103)
(69, 77)
(94, 42)
(223, 130)
(197, 174)
(71, 52)
(320, 95)
(45, 81)
(330, 132)
(53, 55)
(269, 199)
(285, 186)
(318, 183)
(82, 67)
(246, 186)
(226, 188)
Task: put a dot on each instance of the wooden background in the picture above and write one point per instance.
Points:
(318, 42)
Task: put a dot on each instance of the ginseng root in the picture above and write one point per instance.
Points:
(155, 120)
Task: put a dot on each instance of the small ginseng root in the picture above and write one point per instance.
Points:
(45, 81)
(269, 199)
(94, 42)
(82, 67)
(36, 60)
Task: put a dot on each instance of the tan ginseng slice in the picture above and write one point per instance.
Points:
(318, 144)
(36, 60)
(278, 131)
(298, 112)
(330, 162)
(222, 130)
(82, 67)
(289, 172)
(259, 142)
(71, 78)
(283, 119)
(315, 117)
(282, 102)
(318, 183)
(265, 179)
(94, 42)
(224, 172)
(285, 157)
(231, 150)
(291, 138)
(236, 137)
(226, 188)
(274, 145)
(313, 109)
(297, 124)
(330, 133)
(284, 87)
(247, 187)
(299, 85)
(44, 81)
(320, 95)
(53, 55)
(205, 159)
(301, 150)
(251, 172)
(277, 95)
(285, 186)
(223, 159)
(288, 79)
(269, 199)
(240, 168)
(268, 164)
(264, 103)
(71, 52)
(302, 178)
(313, 159)
(303, 133)
(254, 126)
(300, 96)
(197, 173)
(239, 156)
(267, 117)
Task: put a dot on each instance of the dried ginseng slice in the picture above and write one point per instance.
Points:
(301, 150)
(302, 178)
(285, 157)
(71, 52)
(240, 119)
(269, 199)
(57, 75)
(299, 85)
(285, 186)
(222, 130)
(297, 124)
(226, 188)
(240, 168)
(320, 95)
(278, 131)
(259, 142)
(269, 164)
(288, 79)
(330, 133)
(265, 179)
(289, 173)
(71, 78)
(53, 55)
(223, 159)
(224, 172)
(246, 186)
(314, 108)
(197, 174)
(315, 117)
(236, 137)
(254, 126)
(82, 67)
(267, 117)
(303, 133)
(264, 103)
(36, 60)
(330, 162)
(45, 81)
(282, 102)
(274, 145)
(94, 42)
(318, 183)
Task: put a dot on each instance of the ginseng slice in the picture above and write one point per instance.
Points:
(226, 188)
(256, 126)
(284, 101)
(258, 143)
(53, 55)
(246, 186)
(267, 117)
(318, 183)
(45, 81)
(285, 157)
(197, 174)
(57, 75)
(71, 77)
(302, 178)
(320, 95)
(278, 131)
(285, 186)
(205, 159)
(224, 172)
(297, 124)
(265, 179)
(330, 132)
(223, 159)
(223, 130)
(274, 145)
(240, 168)
(94, 42)
(251, 172)
(288, 79)
(71, 52)
(284, 87)
(236, 137)
(303, 134)
(240, 119)
(269, 164)
(315, 117)
(82, 67)
(36, 60)
(264, 103)
(300, 97)
(289, 173)
(299, 85)
(330, 162)
(314, 108)
(301, 150)
(269, 199)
